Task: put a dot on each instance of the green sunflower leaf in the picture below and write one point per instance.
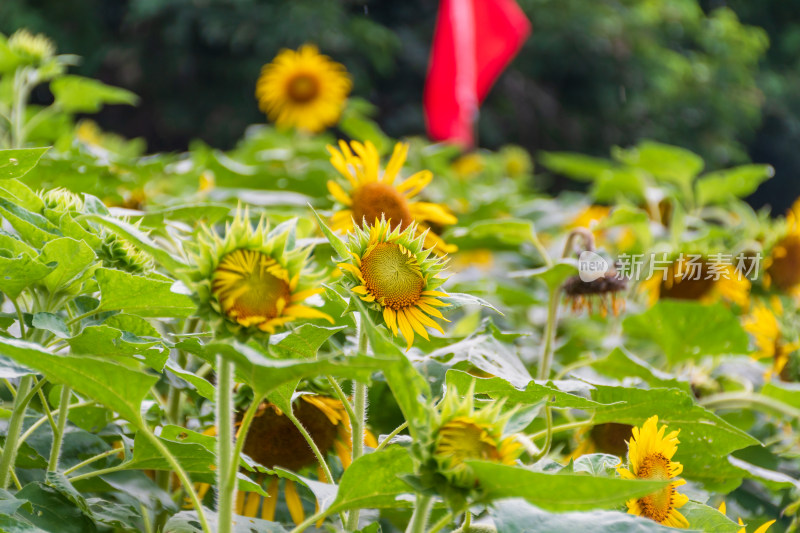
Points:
(557, 492)
(19, 273)
(518, 516)
(686, 330)
(116, 386)
(532, 393)
(703, 435)
(738, 182)
(373, 481)
(76, 94)
(73, 260)
(141, 295)
(704, 518)
(338, 244)
(18, 162)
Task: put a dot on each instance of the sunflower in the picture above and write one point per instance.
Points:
(604, 289)
(462, 433)
(763, 528)
(603, 438)
(397, 276)
(650, 456)
(250, 279)
(274, 441)
(703, 281)
(763, 325)
(303, 89)
(782, 266)
(373, 194)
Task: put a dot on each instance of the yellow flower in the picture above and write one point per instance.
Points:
(762, 324)
(303, 89)
(687, 280)
(650, 456)
(763, 528)
(468, 165)
(274, 441)
(373, 195)
(398, 276)
(463, 433)
(251, 280)
(782, 267)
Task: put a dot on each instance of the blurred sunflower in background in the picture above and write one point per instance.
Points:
(250, 279)
(396, 274)
(782, 266)
(274, 441)
(462, 433)
(762, 323)
(303, 89)
(610, 438)
(373, 194)
(703, 281)
(650, 455)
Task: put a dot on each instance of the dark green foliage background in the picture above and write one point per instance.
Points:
(596, 73)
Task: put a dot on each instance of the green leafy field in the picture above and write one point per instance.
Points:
(189, 341)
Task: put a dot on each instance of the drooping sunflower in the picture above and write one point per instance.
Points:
(582, 294)
(303, 89)
(763, 528)
(373, 194)
(782, 266)
(462, 432)
(702, 281)
(251, 279)
(650, 455)
(274, 441)
(396, 274)
(763, 325)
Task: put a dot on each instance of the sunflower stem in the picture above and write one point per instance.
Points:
(390, 436)
(58, 431)
(91, 460)
(317, 453)
(177, 469)
(342, 397)
(549, 334)
(421, 511)
(226, 491)
(358, 422)
(441, 523)
(9, 456)
(241, 436)
(733, 400)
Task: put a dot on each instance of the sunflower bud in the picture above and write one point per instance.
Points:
(248, 280)
(117, 252)
(463, 433)
(62, 200)
(33, 49)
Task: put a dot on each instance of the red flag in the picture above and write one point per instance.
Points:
(473, 42)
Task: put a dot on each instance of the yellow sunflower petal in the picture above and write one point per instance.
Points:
(268, 509)
(293, 502)
(338, 193)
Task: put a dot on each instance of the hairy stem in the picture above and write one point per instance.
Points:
(358, 422)
(421, 512)
(226, 491)
(58, 431)
(9, 456)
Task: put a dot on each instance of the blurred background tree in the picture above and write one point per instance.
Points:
(596, 73)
